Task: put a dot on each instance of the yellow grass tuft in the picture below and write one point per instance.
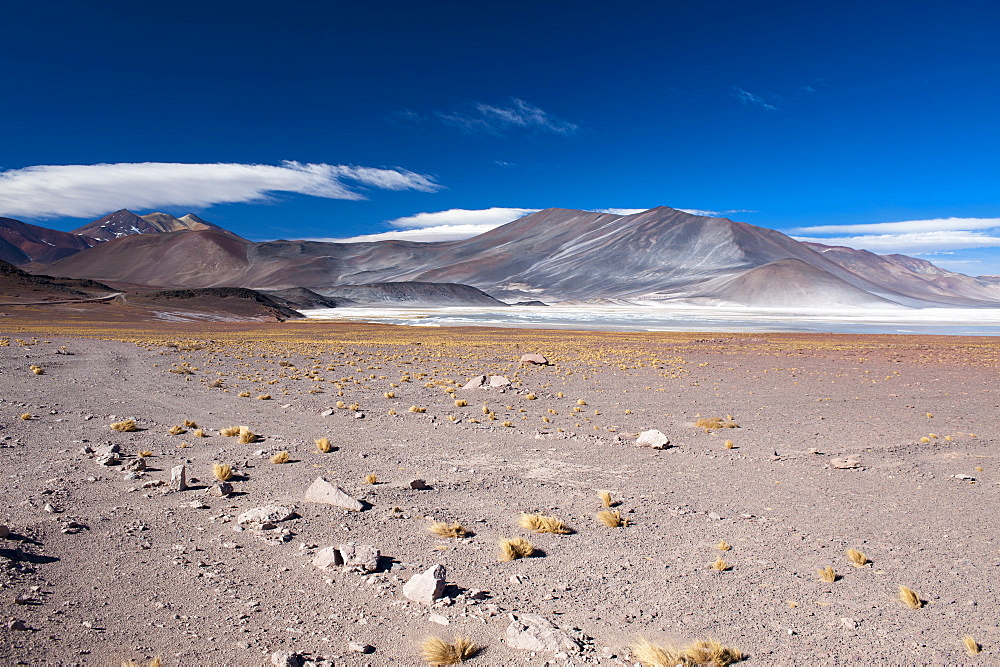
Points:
(512, 548)
(581, 402)
(720, 565)
(611, 518)
(729, 444)
(910, 598)
(246, 436)
(447, 529)
(341, 405)
(123, 426)
(710, 652)
(715, 423)
(436, 651)
(264, 397)
(280, 457)
(508, 424)
(230, 431)
(651, 655)
(461, 403)
(723, 546)
(200, 433)
(531, 397)
(972, 647)
(190, 424)
(244, 394)
(605, 497)
(222, 471)
(827, 574)
(924, 440)
(155, 662)
(176, 430)
(371, 478)
(27, 415)
(415, 409)
(37, 370)
(857, 558)
(324, 445)
(389, 394)
(539, 523)
(144, 453)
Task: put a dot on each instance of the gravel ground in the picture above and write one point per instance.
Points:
(99, 569)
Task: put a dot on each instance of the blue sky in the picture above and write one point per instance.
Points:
(336, 120)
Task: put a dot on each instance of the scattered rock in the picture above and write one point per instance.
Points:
(322, 491)
(499, 381)
(427, 586)
(964, 478)
(328, 558)
(327, 413)
(267, 514)
(532, 632)
(845, 464)
(135, 465)
(533, 358)
(220, 489)
(286, 659)
(178, 478)
(359, 415)
(418, 484)
(849, 623)
(652, 438)
(16, 624)
(359, 557)
(107, 459)
(476, 382)
(4, 532)
(438, 618)
(358, 647)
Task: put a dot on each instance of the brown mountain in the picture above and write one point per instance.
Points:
(20, 287)
(21, 243)
(555, 255)
(126, 223)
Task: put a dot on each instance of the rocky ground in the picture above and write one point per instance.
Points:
(884, 444)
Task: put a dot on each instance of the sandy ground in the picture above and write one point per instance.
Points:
(147, 573)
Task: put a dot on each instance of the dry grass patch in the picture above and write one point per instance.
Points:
(264, 397)
(701, 652)
(371, 478)
(222, 471)
(244, 394)
(461, 403)
(723, 546)
(605, 497)
(611, 518)
(539, 523)
(200, 433)
(27, 416)
(909, 597)
(416, 410)
(280, 457)
(715, 423)
(436, 651)
(37, 370)
(176, 430)
(448, 529)
(144, 453)
(827, 574)
(155, 662)
(721, 565)
(246, 436)
(126, 426)
(229, 431)
(512, 548)
(324, 446)
(972, 647)
(857, 558)
(190, 424)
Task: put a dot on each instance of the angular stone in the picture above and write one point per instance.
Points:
(652, 438)
(328, 558)
(476, 382)
(327, 413)
(4, 532)
(178, 478)
(266, 514)
(532, 632)
(135, 465)
(418, 484)
(533, 358)
(845, 463)
(359, 557)
(358, 647)
(322, 491)
(286, 659)
(427, 586)
(498, 381)
(107, 459)
(220, 489)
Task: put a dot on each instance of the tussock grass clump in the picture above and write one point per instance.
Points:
(651, 655)
(176, 430)
(436, 651)
(448, 529)
(264, 397)
(200, 433)
(721, 565)
(222, 471)
(371, 478)
(508, 424)
(341, 405)
(144, 453)
(126, 426)
(581, 402)
(155, 662)
(857, 558)
(324, 446)
(229, 431)
(246, 436)
(389, 394)
(972, 647)
(416, 410)
(27, 416)
(729, 444)
(512, 548)
(244, 394)
(531, 397)
(280, 457)
(611, 518)
(715, 423)
(827, 574)
(37, 370)
(723, 546)
(605, 497)
(539, 523)
(701, 652)
(190, 424)
(909, 597)
(461, 403)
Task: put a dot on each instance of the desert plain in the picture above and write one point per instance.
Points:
(879, 443)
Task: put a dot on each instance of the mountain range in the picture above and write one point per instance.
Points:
(556, 255)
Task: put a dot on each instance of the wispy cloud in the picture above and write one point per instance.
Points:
(911, 243)
(450, 225)
(933, 225)
(715, 214)
(88, 190)
(621, 211)
(751, 99)
(497, 120)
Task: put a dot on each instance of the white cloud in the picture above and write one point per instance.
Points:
(494, 217)
(620, 211)
(440, 233)
(715, 214)
(747, 97)
(935, 225)
(89, 190)
(912, 243)
(496, 120)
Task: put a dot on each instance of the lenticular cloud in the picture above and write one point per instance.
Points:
(88, 190)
